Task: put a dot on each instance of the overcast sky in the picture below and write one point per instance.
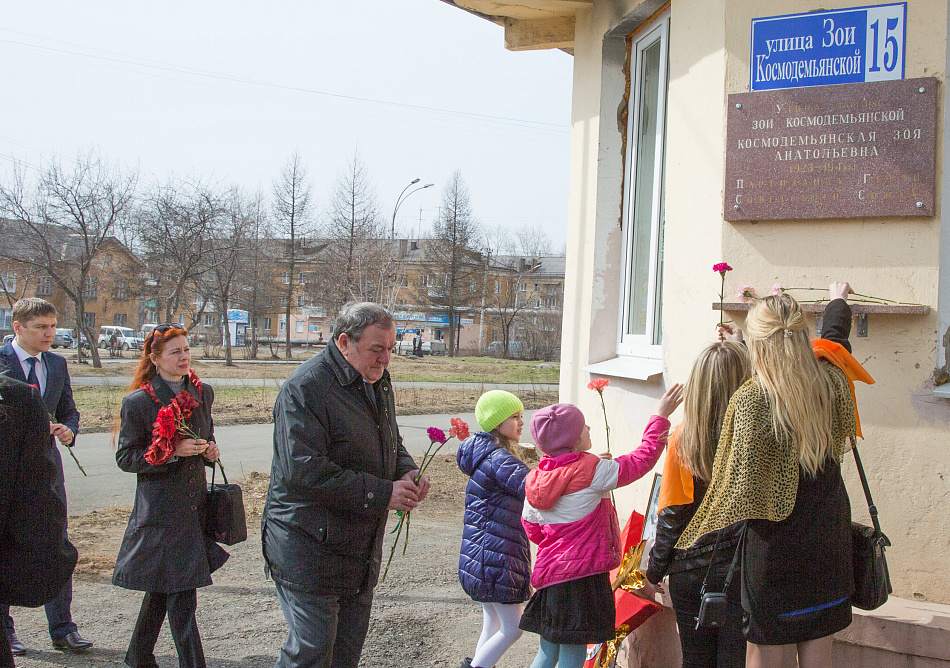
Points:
(228, 90)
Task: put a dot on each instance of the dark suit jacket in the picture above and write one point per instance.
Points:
(35, 555)
(58, 396)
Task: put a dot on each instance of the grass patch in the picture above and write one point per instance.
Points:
(99, 405)
(403, 369)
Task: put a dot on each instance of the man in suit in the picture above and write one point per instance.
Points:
(27, 358)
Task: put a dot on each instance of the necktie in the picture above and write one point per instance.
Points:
(31, 377)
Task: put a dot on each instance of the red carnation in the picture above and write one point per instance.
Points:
(459, 429)
(165, 424)
(598, 384)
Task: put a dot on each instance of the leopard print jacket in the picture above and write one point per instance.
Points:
(754, 475)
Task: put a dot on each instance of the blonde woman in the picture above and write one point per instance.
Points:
(778, 466)
(718, 372)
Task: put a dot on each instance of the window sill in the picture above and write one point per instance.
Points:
(637, 368)
(942, 391)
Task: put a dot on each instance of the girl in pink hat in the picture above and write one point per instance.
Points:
(568, 513)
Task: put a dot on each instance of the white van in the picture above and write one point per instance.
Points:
(126, 337)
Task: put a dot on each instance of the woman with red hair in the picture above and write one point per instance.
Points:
(165, 552)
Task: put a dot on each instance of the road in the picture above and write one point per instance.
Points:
(244, 448)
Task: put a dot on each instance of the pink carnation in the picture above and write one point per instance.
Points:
(598, 384)
(777, 289)
(436, 435)
(746, 294)
(721, 268)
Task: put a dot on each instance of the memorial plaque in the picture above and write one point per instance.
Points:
(847, 151)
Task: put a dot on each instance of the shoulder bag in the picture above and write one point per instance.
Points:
(872, 582)
(224, 511)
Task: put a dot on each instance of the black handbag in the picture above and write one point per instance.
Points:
(872, 582)
(713, 605)
(225, 521)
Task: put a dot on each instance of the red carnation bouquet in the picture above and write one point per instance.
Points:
(170, 426)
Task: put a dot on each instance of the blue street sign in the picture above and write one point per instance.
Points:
(833, 47)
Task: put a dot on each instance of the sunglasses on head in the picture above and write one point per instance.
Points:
(161, 329)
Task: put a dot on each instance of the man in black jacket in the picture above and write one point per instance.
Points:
(36, 556)
(27, 358)
(339, 467)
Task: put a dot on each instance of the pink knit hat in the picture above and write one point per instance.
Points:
(557, 428)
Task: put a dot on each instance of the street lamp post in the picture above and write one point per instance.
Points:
(403, 196)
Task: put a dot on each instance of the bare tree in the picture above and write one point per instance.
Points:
(455, 260)
(534, 241)
(505, 300)
(499, 240)
(175, 226)
(355, 231)
(61, 220)
(257, 286)
(228, 248)
(292, 219)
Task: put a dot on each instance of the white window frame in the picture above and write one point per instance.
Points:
(644, 345)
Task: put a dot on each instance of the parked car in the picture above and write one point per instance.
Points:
(64, 338)
(496, 348)
(7, 339)
(126, 337)
(404, 347)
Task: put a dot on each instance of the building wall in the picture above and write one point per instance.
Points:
(905, 426)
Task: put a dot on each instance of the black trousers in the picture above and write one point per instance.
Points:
(722, 647)
(180, 608)
(6, 654)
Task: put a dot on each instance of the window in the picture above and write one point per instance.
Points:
(299, 326)
(209, 320)
(89, 288)
(301, 278)
(285, 278)
(44, 286)
(497, 287)
(423, 280)
(523, 287)
(537, 286)
(282, 325)
(121, 291)
(267, 324)
(643, 214)
(404, 282)
(6, 318)
(89, 320)
(299, 300)
(119, 319)
(9, 280)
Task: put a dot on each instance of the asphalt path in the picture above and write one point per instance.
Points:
(244, 448)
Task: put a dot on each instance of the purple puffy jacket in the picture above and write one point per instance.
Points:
(495, 560)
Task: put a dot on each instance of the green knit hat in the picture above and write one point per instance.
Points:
(496, 406)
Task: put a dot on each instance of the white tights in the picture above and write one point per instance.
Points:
(499, 632)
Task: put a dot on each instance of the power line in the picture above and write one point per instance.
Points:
(126, 59)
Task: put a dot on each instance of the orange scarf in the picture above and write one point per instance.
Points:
(838, 355)
(676, 485)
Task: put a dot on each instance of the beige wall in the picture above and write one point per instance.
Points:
(907, 449)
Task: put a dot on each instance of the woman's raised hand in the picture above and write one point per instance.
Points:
(670, 400)
(839, 290)
(729, 332)
(189, 447)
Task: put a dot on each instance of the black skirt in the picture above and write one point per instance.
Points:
(796, 574)
(576, 612)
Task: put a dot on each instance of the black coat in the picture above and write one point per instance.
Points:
(164, 548)
(336, 455)
(36, 559)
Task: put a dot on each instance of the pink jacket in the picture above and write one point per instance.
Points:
(568, 513)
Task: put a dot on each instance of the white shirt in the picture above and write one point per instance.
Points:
(40, 365)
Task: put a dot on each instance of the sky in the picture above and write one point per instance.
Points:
(227, 91)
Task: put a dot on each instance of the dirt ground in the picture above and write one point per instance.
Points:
(421, 616)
